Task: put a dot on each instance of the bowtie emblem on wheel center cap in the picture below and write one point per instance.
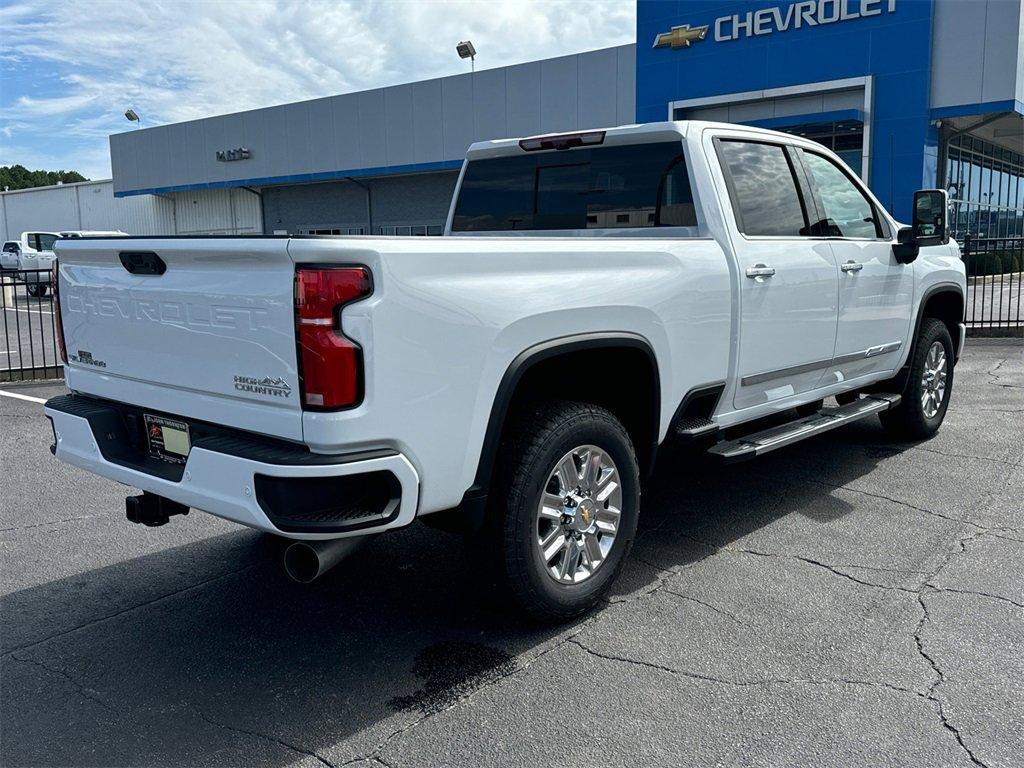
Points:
(586, 513)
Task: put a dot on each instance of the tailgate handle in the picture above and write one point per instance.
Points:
(142, 263)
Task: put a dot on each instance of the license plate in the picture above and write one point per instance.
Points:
(168, 439)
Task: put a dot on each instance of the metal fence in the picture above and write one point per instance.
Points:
(995, 281)
(28, 340)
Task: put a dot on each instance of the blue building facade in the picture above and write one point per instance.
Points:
(872, 79)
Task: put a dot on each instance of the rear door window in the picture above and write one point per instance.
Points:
(640, 185)
(763, 189)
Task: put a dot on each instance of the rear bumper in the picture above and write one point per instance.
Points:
(227, 477)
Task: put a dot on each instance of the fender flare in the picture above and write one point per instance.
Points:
(474, 501)
(899, 381)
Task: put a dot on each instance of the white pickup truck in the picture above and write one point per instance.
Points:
(596, 295)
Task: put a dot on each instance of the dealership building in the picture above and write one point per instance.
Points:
(911, 93)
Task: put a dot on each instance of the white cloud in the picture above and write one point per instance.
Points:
(176, 61)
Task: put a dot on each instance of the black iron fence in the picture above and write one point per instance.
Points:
(995, 281)
(28, 339)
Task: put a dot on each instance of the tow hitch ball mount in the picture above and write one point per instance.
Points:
(152, 510)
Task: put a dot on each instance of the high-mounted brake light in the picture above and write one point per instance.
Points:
(562, 141)
(58, 326)
(330, 363)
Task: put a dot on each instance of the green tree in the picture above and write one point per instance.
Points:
(20, 177)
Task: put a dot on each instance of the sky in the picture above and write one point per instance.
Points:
(70, 68)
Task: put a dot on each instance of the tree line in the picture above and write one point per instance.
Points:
(20, 177)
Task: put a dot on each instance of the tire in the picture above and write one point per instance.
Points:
(36, 290)
(916, 418)
(542, 438)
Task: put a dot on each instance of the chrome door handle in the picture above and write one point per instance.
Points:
(760, 271)
(851, 266)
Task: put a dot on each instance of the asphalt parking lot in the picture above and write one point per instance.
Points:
(846, 601)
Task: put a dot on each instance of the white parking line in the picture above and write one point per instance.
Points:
(24, 309)
(19, 396)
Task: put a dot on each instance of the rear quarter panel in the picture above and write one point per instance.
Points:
(449, 315)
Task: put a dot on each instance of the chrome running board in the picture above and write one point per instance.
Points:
(759, 443)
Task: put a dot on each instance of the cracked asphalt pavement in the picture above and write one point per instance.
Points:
(847, 601)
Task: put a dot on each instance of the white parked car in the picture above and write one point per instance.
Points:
(597, 295)
(10, 254)
(31, 252)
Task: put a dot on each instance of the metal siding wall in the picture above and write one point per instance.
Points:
(457, 115)
(598, 75)
(977, 52)
(46, 208)
(625, 59)
(428, 111)
(218, 212)
(372, 128)
(89, 205)
(143, 215)
(490, 96)
(400, 125)
(523, 111)
(559, 94)
(426, 122)
(420, 199)
(345, 110)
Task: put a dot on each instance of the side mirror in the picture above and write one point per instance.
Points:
(906, 247)
(931, 212)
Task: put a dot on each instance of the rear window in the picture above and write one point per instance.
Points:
(641, 185)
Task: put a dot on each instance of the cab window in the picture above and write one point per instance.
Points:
(848, 213)
(763, 189)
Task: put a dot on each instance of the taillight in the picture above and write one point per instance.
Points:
(331, 364)
(58, 326)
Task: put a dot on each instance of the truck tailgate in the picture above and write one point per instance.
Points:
(202, 328)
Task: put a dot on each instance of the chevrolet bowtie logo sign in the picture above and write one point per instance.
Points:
(680, 37)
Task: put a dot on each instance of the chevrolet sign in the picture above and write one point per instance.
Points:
(804, 13)
(680, 37)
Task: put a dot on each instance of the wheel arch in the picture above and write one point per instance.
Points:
(943, 301)
(550, 353)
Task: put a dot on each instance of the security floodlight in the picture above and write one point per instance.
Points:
(466, 50)
(132, 115)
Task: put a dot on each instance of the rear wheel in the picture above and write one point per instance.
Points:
(36, 290)
(563, 508)
(926, 397)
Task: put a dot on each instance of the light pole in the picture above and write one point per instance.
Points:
(466, 50)
(133, 117)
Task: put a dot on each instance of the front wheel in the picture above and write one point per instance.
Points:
(36, 290)
(926, 397)
(563, 509)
